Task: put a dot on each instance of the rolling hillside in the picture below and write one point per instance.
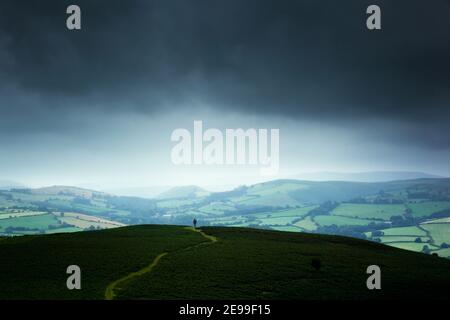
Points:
(183, 192)
(380, 211)
(175, 262)
(367, 176)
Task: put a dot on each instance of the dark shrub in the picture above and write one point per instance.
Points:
(377, 233)
(316, 264)
(426, 249)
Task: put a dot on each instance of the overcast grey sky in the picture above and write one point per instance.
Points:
(97, 106)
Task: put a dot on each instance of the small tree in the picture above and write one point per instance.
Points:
(426, 249)
(418, 240)
(445, 245)
(377, 233)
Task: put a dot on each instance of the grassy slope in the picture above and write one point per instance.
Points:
(35, 266)
(243, 263)
(248, 263)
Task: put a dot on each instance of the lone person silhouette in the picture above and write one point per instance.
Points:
(194, 222)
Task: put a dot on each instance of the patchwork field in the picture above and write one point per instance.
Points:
(307, 224)
(390, 239)
(296, 213)
(276, 221)
(326, 220)
(41, 221)
(440, 232)
(405, 231)
(428, 237)
(415, 212)
(423, 209)
(369, 211)
(9, 215)
(35, 222)
(275, 200)
(287, 228)
(412, 246)
(83, 221)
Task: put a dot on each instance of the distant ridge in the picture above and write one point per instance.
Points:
(183, 192)
(8, 184)
(369, 176)
(68, 190)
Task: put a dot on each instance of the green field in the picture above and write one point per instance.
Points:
(273, 200)
(443, 252)
(405, 231)
(63, 230)
(276, 221)
(424, 209)
(286, 228)
(216, 208)
(307, 224)
(32, 222)
(355, 209)
(389, 239)
(268, 189)
(341, 221)
(369, 211)
(440, 232)
(431, 235)
(229, 220)
(412, 246)
(175, 203)
(9, 215)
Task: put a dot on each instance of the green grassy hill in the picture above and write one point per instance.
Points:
(183, 192)
(175, 262)
(356, 209)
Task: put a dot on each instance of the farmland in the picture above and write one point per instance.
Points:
(410, 214)
(369, 211)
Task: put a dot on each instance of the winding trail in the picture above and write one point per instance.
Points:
(109, 292)
(207, 236)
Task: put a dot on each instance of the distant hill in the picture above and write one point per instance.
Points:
(183, 192)
(7, 185)
(143, 192)
(168, 262)
(67, 190)
(370, 176)
(410, 214)
(296, 192)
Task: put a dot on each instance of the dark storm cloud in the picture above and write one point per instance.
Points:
(301, 59)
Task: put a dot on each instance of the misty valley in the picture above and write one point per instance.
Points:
(409, 214)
